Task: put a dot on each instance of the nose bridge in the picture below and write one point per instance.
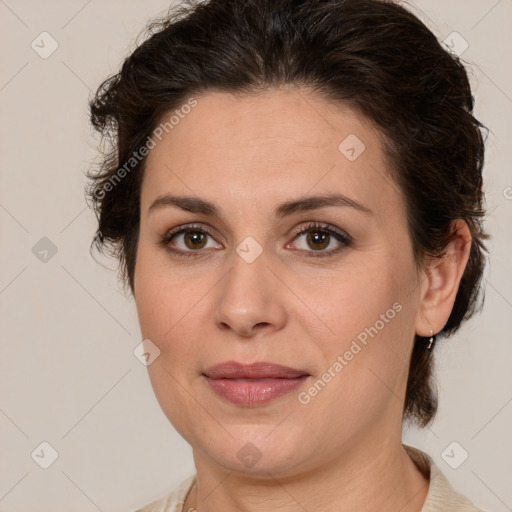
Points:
(246, 283)
(248, 295)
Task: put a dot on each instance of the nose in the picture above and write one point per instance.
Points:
(250, 298)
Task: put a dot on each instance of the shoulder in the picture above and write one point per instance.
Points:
(172, 502)
(441, 496)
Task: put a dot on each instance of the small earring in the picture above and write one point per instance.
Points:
(431, 340)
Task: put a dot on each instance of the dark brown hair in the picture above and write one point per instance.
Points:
(372, 55)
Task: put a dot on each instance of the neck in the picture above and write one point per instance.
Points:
(365, 478)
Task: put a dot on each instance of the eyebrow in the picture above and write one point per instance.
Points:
(197, 205)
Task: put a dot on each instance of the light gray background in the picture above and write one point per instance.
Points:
(67, 370)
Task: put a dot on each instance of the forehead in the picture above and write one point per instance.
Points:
(283, 142)
(288, 114)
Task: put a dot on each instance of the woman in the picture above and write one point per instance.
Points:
(294, 192)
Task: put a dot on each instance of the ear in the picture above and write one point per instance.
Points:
(440, 281)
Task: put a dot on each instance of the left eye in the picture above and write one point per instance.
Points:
(319, 238)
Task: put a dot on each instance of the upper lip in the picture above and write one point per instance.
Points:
(258, 370)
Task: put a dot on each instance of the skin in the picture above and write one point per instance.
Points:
(248, 154)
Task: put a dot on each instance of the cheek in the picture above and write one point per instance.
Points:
(156, 299)
(170, 308)
(165, 309)
(352, 299)
(157, 295)
(151, 305)
(370, 313)
(365, 364)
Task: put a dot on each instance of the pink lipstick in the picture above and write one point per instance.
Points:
(254, 384)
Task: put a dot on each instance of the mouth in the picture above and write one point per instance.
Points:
(255, 384)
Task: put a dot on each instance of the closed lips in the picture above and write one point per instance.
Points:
(259, 370)
(253, 385)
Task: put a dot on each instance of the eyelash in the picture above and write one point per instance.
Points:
(345, 239)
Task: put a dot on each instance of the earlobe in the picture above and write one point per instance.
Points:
(441, 281)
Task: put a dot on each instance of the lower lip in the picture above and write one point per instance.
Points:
(254, 392)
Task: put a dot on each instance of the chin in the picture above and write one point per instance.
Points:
(255, 450)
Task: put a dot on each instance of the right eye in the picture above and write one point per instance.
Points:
(187, 240)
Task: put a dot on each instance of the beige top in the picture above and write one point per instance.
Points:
(441, 497)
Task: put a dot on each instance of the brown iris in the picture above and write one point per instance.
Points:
(196, 238)
(317, 237)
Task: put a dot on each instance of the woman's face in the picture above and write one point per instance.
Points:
(245, 286)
